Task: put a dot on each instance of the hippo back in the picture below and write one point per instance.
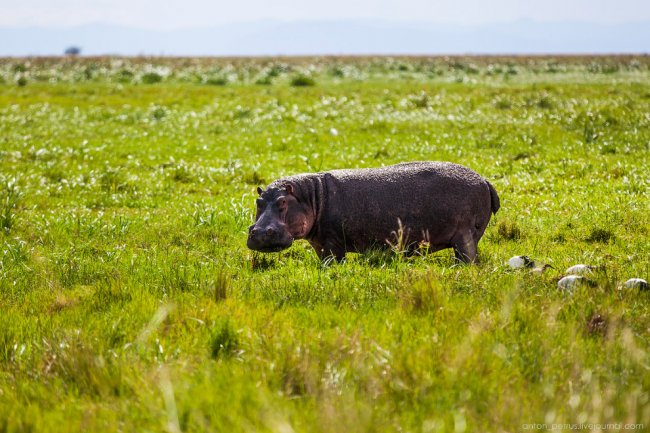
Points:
(427, 201)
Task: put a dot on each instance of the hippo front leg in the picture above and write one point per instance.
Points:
(326, 250)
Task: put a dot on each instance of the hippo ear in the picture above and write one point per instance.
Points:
(260, 190)
(289, 188)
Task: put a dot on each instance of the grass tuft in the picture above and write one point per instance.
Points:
(420, 101)
(601, 235)
(151, 78)
(262, 262)
(217, 81)
(303, 81)
(224, 340)
(84, 370)
(9, 198)
(222, 284)
(508, 230)
(423, 295)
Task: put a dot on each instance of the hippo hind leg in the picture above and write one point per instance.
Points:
(465, 249)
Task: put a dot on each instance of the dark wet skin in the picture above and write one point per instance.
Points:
(442, 205)
(275, 223)
(269, 234)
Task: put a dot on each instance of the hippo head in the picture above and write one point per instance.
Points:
(280, 219)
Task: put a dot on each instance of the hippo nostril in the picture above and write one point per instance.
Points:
(253, 231)
(270, 232)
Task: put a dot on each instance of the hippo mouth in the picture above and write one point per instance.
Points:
(268, 247)
(271, 249)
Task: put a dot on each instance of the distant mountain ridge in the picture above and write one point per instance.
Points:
(333, 37)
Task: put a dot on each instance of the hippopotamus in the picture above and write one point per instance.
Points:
(415, 206)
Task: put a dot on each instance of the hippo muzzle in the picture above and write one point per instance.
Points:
(269, 239)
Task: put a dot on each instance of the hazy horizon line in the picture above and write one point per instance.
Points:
(332, 20)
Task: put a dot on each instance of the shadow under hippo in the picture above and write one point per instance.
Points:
(437, 204)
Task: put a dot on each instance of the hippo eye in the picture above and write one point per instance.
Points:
(282, 202)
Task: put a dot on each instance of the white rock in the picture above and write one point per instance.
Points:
(334, 132)
(580, 270)
(518, 262)
(570, 282)
(636, 283)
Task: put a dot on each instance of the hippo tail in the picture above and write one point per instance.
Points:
(494, 198)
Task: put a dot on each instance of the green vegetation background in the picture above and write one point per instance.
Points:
(128, 299)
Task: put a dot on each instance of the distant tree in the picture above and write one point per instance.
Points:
(72, 51)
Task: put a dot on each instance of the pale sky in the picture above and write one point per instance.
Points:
(161, 14)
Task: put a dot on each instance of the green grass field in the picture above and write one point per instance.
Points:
(129, 301)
